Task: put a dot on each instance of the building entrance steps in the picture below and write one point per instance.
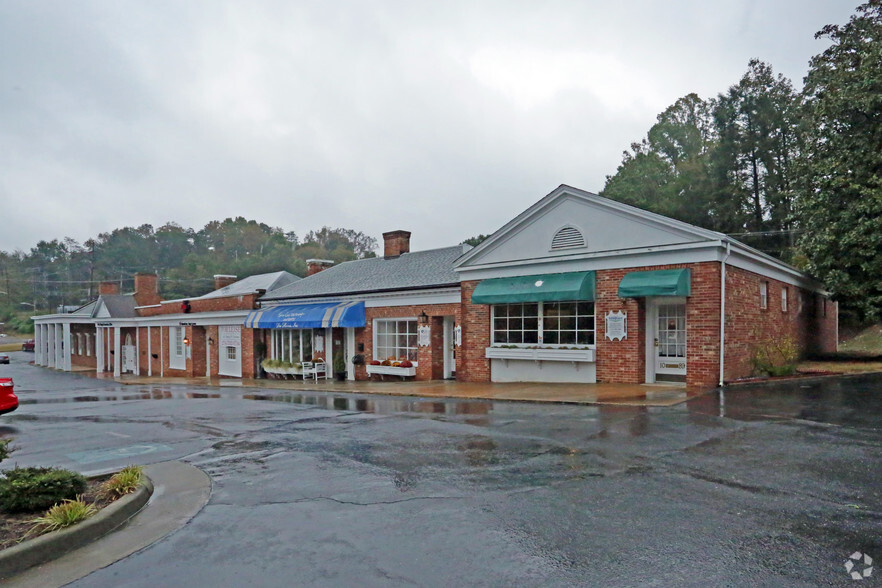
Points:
(602, 393)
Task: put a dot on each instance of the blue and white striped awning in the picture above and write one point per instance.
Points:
(308, 316)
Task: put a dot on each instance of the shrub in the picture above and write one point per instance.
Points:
(64, 514)
(35, 489)
(775, 356)
(125, 481)
(5, 450)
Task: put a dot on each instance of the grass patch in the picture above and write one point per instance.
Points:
(62, 515)
(123, 482)
(868, 341)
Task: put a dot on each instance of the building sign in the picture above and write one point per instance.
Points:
(229, 335)
(616, 325)
(183, 324)
(424, 334)
(319, 343)
(457, 336)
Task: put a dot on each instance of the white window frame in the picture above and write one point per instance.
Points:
(784, 299)
(278, 338)
(88, 344)
(764, 295)
(375, 346)
(540, 334)
(177, 361)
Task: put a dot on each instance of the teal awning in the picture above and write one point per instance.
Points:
(671, 282)
(539, 288)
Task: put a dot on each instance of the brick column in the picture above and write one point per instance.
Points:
(471, 365)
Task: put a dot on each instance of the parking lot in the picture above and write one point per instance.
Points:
(755, 486)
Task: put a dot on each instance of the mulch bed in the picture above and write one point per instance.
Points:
(15, 527)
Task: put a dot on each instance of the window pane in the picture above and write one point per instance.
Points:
(531, 337)
(531, 310)
(551, 337)
(568, 337)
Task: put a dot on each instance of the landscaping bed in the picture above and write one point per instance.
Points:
(15, 527)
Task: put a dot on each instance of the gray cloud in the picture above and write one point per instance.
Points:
(446, 119)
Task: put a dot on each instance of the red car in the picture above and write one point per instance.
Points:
(28, 345)
(8, 399)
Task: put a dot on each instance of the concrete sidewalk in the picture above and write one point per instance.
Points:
(614, 394)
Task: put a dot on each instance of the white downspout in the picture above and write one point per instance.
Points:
(723, 314)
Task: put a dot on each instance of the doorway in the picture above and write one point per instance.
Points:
(666, 339)
(449, 348)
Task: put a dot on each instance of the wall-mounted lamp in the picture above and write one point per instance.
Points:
(186, 340)
(210, 341)
(423, 318)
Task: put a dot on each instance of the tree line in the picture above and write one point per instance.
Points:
(796, 174)
(61, 274)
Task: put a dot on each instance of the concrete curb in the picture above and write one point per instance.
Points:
(40, 550)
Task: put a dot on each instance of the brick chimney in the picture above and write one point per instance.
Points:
(396, 243)
(108, 288)
(221, 280)
(314, 266)
(146, 289)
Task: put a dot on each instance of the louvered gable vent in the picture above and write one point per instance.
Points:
(567, 237)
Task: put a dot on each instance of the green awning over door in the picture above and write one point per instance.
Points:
(538, 288)
(671, 282)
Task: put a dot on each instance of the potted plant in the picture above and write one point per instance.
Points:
(339, 365)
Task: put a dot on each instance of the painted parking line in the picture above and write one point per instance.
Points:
(98, 455)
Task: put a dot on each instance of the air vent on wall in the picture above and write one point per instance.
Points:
(567, 237)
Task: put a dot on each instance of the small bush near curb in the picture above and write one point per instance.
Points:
(64, 514)
(123, 482)
(35, 489)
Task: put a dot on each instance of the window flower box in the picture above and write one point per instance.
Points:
(388, 370)
(539, 354)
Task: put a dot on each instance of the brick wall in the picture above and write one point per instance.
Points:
(471, 365)
(430, 359)
(245, 302)
(748, 324)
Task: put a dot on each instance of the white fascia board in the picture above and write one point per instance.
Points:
(236, 317)
(381, 299)
(62, 318)
(746, 258)
(622, 259)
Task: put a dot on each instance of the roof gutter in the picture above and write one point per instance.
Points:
(356, 293)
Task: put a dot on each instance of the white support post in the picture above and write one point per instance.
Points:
(66, 347)
(59, 347)
(149, 354)
(99, 349)
(38, 345)
(50, 344)
(117, 353)
(137, 351)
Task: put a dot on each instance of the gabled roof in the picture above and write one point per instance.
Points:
(115, 306)
(656, 229)
(268, 282)
(409, 271)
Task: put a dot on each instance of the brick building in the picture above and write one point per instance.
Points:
(140, 334)
(579, 288)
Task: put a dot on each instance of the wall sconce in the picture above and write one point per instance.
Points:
(423, 318)
(186, 340)
(210, 341)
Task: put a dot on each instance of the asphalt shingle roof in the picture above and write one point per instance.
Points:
(251, 284)
(420, 269)
(119, 305)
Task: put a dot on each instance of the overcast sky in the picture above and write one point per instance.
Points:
(443, 118)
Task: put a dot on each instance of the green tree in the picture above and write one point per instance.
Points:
(840, 208)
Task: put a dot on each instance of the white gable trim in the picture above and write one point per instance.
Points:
(688, 233)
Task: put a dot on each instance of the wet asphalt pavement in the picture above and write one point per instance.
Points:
(754, 487)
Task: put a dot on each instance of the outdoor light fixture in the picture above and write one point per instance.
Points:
(210, 341)
(423, 318)
(186, 340)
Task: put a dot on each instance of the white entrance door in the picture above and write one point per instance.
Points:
(667, 331)
(128, 356)
(229, 361)
(449, 348)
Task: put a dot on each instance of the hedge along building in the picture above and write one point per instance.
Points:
(140, 334)
(402, 307)
(579, 288)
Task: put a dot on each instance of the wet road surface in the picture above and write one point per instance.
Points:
(756, 487)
